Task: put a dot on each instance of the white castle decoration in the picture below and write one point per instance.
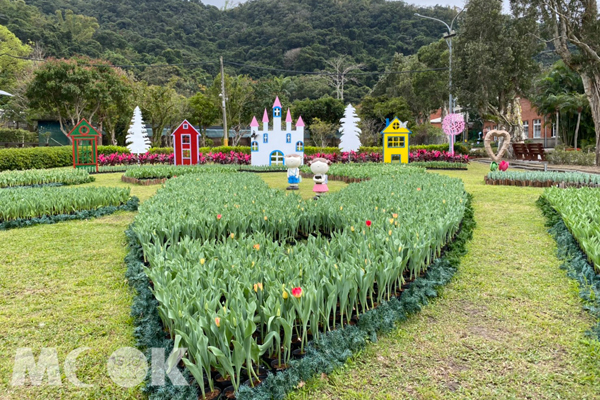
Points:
(268, 147)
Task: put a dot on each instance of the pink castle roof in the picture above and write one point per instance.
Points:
(289, 116)
(277, 102)
(254, 122)
(265, 116)
(300, 122)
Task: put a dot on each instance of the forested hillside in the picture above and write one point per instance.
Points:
(288, 34)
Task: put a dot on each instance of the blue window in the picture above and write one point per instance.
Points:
(288, 138)
(254, 146)
(276, 112)
(299, 146)
(266, 138)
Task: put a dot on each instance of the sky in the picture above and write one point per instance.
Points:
(459, 3)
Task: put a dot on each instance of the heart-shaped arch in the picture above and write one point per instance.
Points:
(488, 144)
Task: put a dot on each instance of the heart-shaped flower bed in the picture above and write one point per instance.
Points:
(242, 271)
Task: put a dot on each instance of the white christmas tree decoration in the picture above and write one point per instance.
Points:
(350, 130)
(137, 137)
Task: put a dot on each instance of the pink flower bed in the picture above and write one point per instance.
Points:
(244, 159)
(146, 159)
(424, 155)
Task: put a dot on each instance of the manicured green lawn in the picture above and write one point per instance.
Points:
(509, 326)
(64, 286)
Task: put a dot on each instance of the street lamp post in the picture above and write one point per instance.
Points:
(448, 36)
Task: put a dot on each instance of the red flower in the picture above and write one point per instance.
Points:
(368, 222)
(219, 216)
(297, 292)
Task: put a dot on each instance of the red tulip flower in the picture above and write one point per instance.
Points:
(297, 292)
(219, 216)
(368, 223)
(503, 166)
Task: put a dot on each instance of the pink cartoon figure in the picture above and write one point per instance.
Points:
(320, 167)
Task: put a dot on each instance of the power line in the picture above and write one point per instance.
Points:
(243, 65)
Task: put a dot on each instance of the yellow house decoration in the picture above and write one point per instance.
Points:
(395, 142)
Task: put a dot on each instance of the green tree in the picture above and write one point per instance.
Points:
(117, 109)
(494, 63)
(10, 64)
(204, 112)
(326, 108)
(240, 95)
(322, 132)
(573, 28)
(159, 105)
(70, 90)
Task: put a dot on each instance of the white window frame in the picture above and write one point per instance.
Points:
(526, 129)
(554, 129)
(537, 128)
(278, 155)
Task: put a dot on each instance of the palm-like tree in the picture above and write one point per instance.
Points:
(576, 102)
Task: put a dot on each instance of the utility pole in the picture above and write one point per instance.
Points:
(448, 36)
(224, 106)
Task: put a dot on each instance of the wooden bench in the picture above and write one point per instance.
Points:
(520, 150)
(529, 151)
(536, 152)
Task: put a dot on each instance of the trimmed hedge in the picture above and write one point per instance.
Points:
(458, 148)
(107, 150)
(18, 135)
(45, 157)
(311, 150)
(162, 150)
(35, 158)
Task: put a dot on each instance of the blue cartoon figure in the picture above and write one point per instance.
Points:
(293, 162)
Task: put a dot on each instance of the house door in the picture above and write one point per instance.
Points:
(186, 150)
(396, 158)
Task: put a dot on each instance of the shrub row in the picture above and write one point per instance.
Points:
(18, 135)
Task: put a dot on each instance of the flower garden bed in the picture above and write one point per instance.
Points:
(41, 177)
(266, 271)
(543, 179)
(47, 205)
(572, 218)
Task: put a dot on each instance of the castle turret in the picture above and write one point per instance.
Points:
(277, 115)
(265, 121)
(288, 121)
(254, 125)
(300, 126)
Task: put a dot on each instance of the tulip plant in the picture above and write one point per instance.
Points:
(33, 177)
(27, 203)
(241, 270)
(580, 211)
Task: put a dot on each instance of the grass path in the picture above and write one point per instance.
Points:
(509, 326)
(63, 286)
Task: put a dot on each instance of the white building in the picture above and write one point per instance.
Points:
(269, 146)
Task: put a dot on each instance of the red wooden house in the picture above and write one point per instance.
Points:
(186, 144)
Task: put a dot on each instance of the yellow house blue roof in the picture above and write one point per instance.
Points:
(396, 126)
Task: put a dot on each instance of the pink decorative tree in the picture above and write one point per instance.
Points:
(453, 124)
